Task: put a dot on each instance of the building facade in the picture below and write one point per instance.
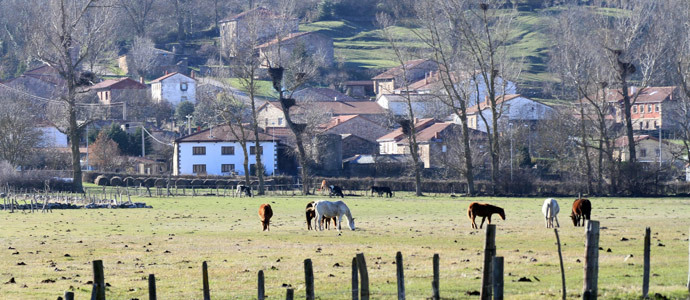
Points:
(174, 88)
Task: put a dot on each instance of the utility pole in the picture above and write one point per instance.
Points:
(143, 141)
(189, 124)
(511, 151)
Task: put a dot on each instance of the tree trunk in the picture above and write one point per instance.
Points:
(245, 163)
(628, 121)
(585, 145)
(75, 136)
(469, 169)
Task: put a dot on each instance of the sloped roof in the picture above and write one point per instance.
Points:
(397, 134)
(397, 71)
(413, 97)
(291, 37)
(340, 107)
(429, 133)
(646, 95)
(220, 134)
(320, 94)
(485, 104)
(623, 141)
(164, 77)
(122, 83)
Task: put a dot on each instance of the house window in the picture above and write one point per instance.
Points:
(656, 108)
(199, 169)
(655, 124)
(643, 152)
(227, 168)
(642, 108)
(280, 121)
(646, 124)
(649, 108)
(656, 152)
(252, 150)
(199, 150)
(634, 108)
(227, 150)
(183, 86)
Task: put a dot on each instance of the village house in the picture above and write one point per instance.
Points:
(119, 90)
(653, 107)
(163, 61)
(216, 151)
(43, 81)
(423, 105)
(415, 70)
(321, 94)
(515, 109)
(174, 88)
(649, 149)
(358, 133)
(359, 88)
(434, 139)
(260, 21)
(309, 44)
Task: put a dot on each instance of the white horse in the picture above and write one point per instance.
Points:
(332, 209)
(550, 210)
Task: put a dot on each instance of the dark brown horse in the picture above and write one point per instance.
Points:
(582, 210)
(265, 214)
(485, 211)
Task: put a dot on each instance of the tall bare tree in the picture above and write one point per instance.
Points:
(142, 57)
(65, 36)
(17, 124)
(138, 13)
(407, 123)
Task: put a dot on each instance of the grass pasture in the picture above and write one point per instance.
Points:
(178, 234)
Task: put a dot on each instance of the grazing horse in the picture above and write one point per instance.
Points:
(324, 184)
(243, 189)
(550, 210)
(381, 190)
(265, 214)
(582, 210)
(485, 211)
(311, 215)
(335, 191)
(329, 209)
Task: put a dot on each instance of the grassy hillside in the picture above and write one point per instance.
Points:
(363, 45)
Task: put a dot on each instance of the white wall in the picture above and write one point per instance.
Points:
(518, 109)
(53, 138)
(169, 89)
(214, 159)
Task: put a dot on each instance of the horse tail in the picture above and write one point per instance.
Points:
(469, 212)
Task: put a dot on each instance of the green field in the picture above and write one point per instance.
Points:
(178, 234)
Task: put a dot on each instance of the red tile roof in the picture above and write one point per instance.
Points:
(220, 134)
(397, 134)
(646, 95)
(485, 104)
(429, 133)
(397, 71)
(122, 83)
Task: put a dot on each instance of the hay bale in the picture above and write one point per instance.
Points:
(210, 183)
(116, 181)
(149, 182)
(101, 180)
(137, 181)
(197, 183)
(128, 181)
(160, 182)
(181, 183)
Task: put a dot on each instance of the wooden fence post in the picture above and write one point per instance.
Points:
(560, 258)
(645, 272)
(688, 266)
(152, 287)
(436, 294)
(591, 261)
(364, 276)
(69, 296)
(261, 290)
(290, 294)
(355, 281)
(498, 277)
(98, 292)
(309, 278)
(489, 253)
(400, 275)
(204, 278)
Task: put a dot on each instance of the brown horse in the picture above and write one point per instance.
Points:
(485, 211)
(265, 214)
(311, 214)
(582, 210)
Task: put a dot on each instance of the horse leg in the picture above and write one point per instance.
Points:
(557, 224)
(474, 224)
(319, 217)
(482, 224)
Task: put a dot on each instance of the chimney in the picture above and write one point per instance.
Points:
(436, 135)
(141, 79)
(192, 75)
(632, 90)
(337, 121)
(166, 72)
(335, 98)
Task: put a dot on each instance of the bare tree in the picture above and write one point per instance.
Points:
(408, 123)
(138, 13)
(142, 57)
(19, 134)
(680, 115)
(233, 110)
(105, 153)
(65, 36)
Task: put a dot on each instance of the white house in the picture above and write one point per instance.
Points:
(475, 84)
(174, 88)
(216, 151)
(423, 105)
(514, 109)
(52, 138)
